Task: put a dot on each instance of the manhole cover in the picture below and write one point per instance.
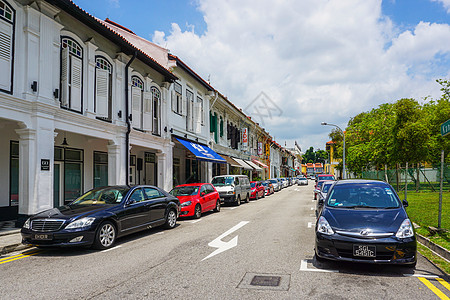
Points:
(275, 282)
(266, 280)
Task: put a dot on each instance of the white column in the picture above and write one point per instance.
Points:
(116, 168)
(35, 185)
(165, 169)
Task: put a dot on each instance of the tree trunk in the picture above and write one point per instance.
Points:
(418, 177)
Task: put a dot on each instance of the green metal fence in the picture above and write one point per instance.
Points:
(418, 179)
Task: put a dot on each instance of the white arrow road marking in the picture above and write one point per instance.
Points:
(310, 224)
(224, 246)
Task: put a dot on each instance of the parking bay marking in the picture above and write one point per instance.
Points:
(434, 289)
(18, 256)
(310, 224)
(224, 246)
(113, 248)
(304, 267)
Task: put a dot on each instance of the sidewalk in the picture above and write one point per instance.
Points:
(10, 239)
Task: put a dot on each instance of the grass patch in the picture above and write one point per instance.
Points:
(423, 209)
(437, 260)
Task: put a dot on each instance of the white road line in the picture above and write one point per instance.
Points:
(111, 248)
(310, 224)
(304, 267)
(195, 221)
(313, 200)
(229, 208)
(420, 275)
(312, 208)
(161, 232)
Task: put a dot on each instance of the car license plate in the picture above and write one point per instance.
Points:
(364, 251)
(43, 237)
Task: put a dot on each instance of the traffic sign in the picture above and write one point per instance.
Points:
(445, 128)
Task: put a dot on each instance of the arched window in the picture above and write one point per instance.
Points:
(137, 89)
(7, 15)
(156, 99)
(103, 84)
(71, 74)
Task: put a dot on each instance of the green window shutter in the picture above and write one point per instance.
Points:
(211, 122)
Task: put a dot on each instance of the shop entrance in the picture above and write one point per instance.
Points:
(150, 169)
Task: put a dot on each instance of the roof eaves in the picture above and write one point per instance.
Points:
(191, 72)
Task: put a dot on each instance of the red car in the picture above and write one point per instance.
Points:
(258, 190)
(196, 198)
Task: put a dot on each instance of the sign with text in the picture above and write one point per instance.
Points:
(45, 164)
(445, 128)
(244, 138)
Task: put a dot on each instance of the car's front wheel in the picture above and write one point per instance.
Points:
(198, 211)
(105, 236)
(171, 219)
(247, 199)
(217, 208)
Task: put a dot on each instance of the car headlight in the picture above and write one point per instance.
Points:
(231, 192)
(83, 222)
(405, 230)
(324, 227)
(187, 203)
(27, 224)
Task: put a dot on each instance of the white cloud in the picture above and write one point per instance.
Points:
(445, 3)
(319, 60)
(114, 3)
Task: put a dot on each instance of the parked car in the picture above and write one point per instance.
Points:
(317, 189)
(268, 187)
(302, 181)
(284, 182)
(257, 190)
(325, 177)
(325, 188)
(365, 221)
(276, 184)
(312, 177)
(196, 198)
(232, 188)
(100, 216)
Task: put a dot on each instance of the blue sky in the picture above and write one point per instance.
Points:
(319, 60)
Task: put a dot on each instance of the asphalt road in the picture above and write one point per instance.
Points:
(273, 258)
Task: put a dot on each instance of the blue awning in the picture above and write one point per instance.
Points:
(202, 152)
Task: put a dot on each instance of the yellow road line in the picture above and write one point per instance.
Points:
(434, 289)
(24, 253)
(444, 283)
(18, 256)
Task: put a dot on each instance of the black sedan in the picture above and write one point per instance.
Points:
(100, 216)
(365, 221)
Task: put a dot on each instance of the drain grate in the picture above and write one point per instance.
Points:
(266, 280)
(275, 282)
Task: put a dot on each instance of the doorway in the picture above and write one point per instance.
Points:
(150, 169)
(57, 184)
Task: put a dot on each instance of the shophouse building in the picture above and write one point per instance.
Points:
(74, 98)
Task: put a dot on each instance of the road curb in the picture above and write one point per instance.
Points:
(436, 248)
(12, 248)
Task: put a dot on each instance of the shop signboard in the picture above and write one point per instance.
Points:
(260, 148)
(244, 138)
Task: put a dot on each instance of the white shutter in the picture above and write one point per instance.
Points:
(65, 77)
(136, 107)
(190, 116)
(173, 95)
(184, 105)
(147, 117)
(5, 55)
(197, 117)
(102, 92)
(75, 83)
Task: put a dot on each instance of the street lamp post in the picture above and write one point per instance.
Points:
(344, 174)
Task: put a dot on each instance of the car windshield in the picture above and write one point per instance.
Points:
(221, 181)
(184, 191)
(265, 183)
(329, 177)
(252, 184)
(273, 180)
(110, 195)
(362, 196)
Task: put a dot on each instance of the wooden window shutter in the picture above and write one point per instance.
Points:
(173, 95)
(136, 106)
(147, 112)
(75, 83)
(6, 43)
(184, 106)
(65, 77)
(102, 92)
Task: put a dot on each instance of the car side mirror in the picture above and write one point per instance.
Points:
(130, 201)
(202, 194)
(321, 201)
(405, 203)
